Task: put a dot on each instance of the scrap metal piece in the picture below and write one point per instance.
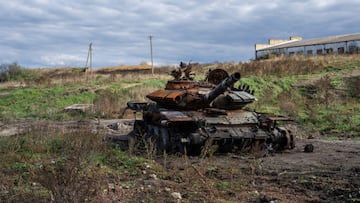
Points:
(309, 148)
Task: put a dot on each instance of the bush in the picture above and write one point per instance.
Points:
(12, 71)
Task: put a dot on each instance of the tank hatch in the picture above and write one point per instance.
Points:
(233, 100)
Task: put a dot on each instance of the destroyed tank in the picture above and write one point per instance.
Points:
(190, 116)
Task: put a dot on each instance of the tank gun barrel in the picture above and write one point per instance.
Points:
(221, 87)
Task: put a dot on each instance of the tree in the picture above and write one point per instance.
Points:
(11, 72)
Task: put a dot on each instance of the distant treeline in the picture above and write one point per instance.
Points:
(13, 71)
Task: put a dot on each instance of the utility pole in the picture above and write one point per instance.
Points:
(89, 58)
(151, 55)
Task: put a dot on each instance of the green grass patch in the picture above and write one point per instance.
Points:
(33, 102)
(120, 160)
(356, 138)
(223, 185)
(330, 138)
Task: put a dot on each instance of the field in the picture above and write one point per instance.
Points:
(49, 154)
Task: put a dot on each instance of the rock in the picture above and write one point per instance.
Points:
(9, 131)
(153, 176)
(80, 108)
(176, 195)
(111, 187)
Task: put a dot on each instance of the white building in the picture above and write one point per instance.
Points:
(341, 44)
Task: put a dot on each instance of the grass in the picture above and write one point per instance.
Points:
(70, 167)
(356, 138)
(281, 87)
(48, 102)
(331, 138)
(334, 106)
(32, 102)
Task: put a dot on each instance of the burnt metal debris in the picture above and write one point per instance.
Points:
(309, 148)
(188, 116)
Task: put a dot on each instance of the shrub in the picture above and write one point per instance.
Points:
(12, 71)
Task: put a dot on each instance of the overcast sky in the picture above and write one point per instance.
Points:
(43, 33)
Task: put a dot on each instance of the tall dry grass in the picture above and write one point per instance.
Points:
(47, 165)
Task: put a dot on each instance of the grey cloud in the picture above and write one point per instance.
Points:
(50, 33)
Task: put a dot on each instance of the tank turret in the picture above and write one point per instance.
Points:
(189, 113)
(185, 93)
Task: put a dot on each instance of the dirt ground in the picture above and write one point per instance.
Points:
(331, 173)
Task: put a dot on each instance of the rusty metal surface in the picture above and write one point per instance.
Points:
(166, 96)
(179, 84)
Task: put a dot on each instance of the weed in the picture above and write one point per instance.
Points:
(119, 160)
(18, 166)
(222, 185)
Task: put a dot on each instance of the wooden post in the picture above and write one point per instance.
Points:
(151, 55)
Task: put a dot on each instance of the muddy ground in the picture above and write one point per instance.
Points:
(331, 173)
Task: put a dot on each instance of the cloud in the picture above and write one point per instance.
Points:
(38, 33)
(60, 59)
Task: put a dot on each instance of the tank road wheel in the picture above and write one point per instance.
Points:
(290, 140)
(284, 139)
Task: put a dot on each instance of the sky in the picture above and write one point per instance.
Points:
(56, 33)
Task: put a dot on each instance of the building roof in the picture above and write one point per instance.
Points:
(318, 41)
